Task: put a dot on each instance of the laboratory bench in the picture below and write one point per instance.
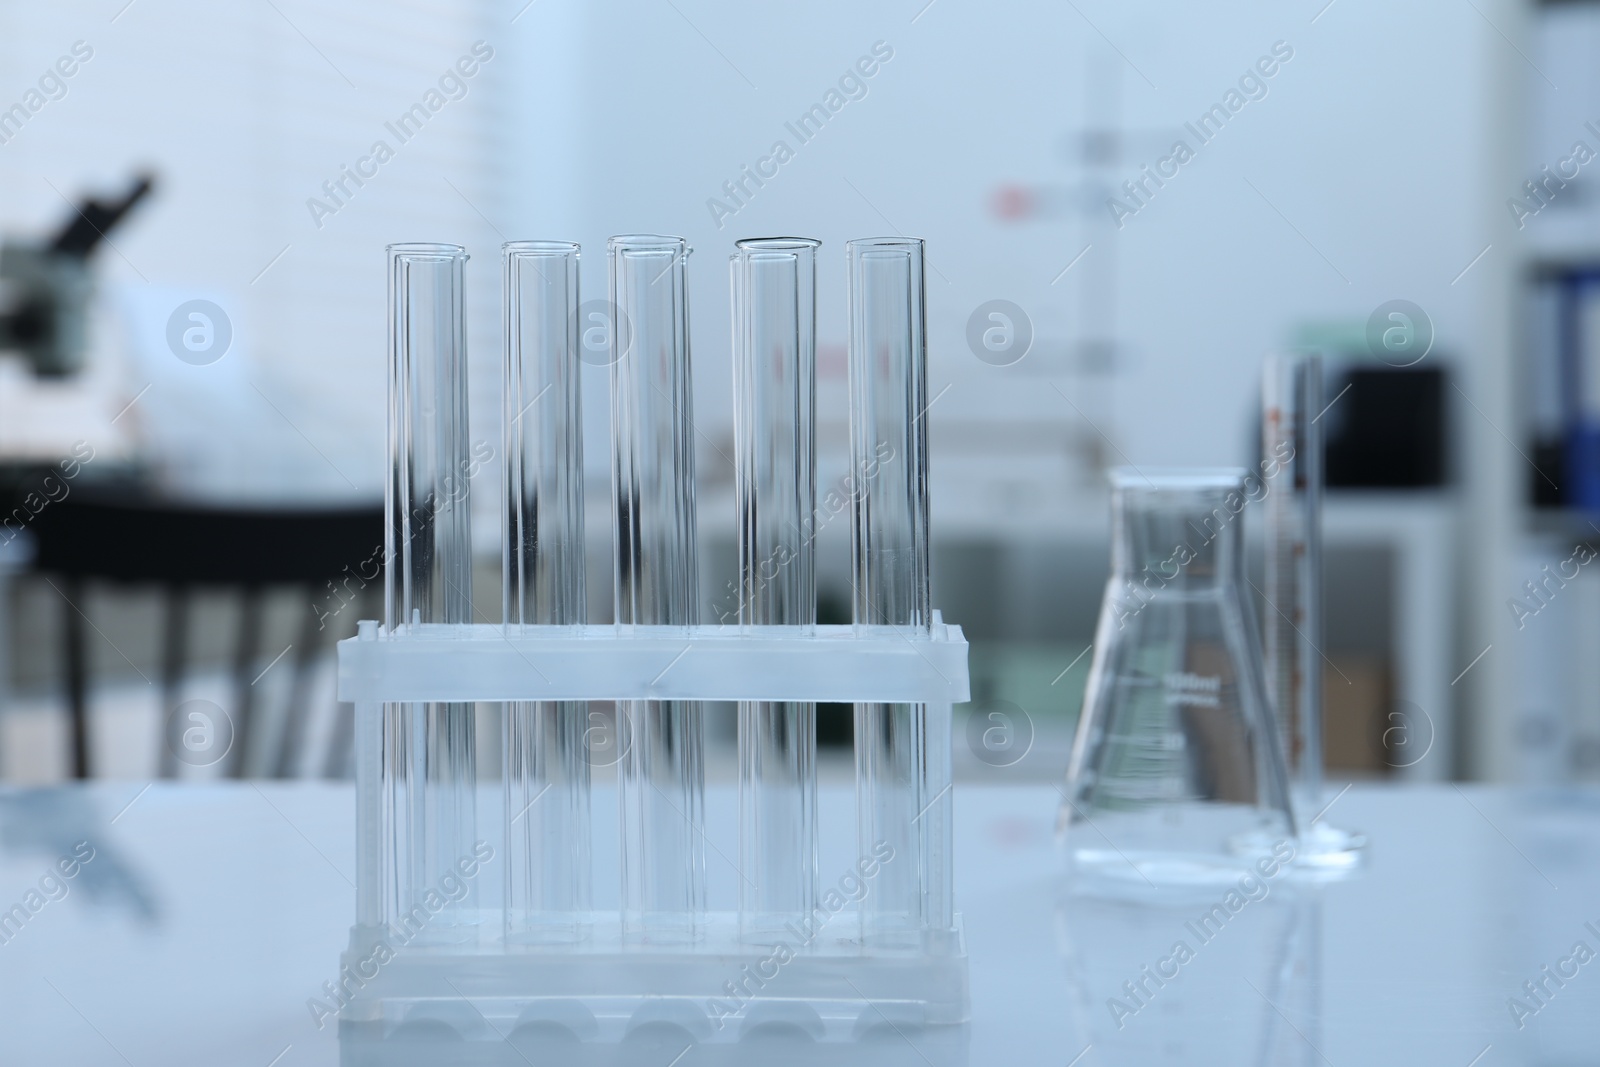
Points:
(198, 922)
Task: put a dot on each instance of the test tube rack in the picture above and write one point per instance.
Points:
(716, 986)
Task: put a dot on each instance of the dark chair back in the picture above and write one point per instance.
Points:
(184, 546)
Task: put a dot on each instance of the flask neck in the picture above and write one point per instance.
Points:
(1178, 537)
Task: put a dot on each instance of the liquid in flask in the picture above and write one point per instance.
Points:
(1176, 775)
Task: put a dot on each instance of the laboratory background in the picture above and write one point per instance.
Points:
(1127, 210)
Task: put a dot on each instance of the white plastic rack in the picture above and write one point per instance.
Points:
(716, 987)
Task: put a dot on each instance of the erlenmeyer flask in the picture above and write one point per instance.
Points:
(1176, 775)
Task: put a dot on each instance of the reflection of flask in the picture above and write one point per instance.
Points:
(1195, 974)
(1176, 774)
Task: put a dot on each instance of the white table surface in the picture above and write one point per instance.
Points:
(211, 913)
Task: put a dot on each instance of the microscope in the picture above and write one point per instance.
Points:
(45, 289)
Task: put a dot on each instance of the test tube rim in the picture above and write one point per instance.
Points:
(428, 250)
(646, 244)
(905, 245)
(776, 244)
(511, 249)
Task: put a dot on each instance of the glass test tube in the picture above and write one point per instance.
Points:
(896, 809)
(661, 803)
(775, 488)
(1291, 390)
(432, 773)
(546, 772)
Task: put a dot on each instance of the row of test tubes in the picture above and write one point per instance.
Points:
(430, 775)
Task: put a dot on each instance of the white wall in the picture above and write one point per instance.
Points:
(243, 111)
(1367, 144)
(604, 118)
